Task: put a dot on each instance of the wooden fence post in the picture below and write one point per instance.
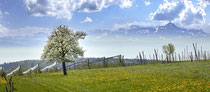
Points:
(9, 87)
(104, 61)
(187, 53)
(191, 57)
(74, 66)
(156, 55)
(205, 55)
(184, 55)
(195, 49)
(199, 55)
(202, 55)
(153, 56)
(20, 71)
(123, 60)
(39, 69)
(30, 72)
(167, 58)
(88, 62)
(120, 60)
(140, 56)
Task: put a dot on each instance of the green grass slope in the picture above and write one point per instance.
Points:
(183, 76)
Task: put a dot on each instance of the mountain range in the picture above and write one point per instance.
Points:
(169, 29)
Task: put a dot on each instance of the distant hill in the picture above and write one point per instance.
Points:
(30, 63)
(26, 64)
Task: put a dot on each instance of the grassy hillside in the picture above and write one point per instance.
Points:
(183, 76)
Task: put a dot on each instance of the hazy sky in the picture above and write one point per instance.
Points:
(25, 24)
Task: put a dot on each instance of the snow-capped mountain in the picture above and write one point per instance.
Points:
(169, 29)
(172, 30)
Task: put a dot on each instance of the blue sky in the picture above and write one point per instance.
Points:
(25, 24)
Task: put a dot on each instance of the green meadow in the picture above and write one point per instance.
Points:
(179, 76)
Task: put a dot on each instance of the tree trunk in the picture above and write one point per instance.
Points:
(64, 68)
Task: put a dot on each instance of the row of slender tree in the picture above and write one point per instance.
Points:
(169, 54)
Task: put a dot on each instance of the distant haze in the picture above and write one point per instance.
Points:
(129, 47)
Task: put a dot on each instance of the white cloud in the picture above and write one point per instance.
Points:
(3, 31)
(206, 27)
(147, 3)
(98, 5)
(25, 31)
(125, 3)
(6, 13)
(62, 9)
(29, 31)
(162, 38)
(87, 19)
(204, 3)
(191, 15)
(58, 8)
(2, 13)
(182, 12)
(137, 6)
(102, 35)
(168, 11)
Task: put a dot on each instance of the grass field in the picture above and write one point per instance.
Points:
(180, 76)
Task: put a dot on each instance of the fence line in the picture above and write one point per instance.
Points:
(49, 67)
(11, 73)
(31, 69)
(103, 60)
